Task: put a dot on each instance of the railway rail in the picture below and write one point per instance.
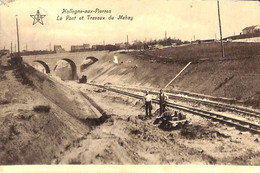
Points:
(224, 106)
(239, 124)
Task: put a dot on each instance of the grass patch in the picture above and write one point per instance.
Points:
(20, 71)
(20, 74)
(2, 73)
(195, 52)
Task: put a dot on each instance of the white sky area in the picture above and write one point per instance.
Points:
(151, 18)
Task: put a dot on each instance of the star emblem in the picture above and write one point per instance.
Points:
(37, 18)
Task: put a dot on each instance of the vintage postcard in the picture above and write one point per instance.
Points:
(143, 85)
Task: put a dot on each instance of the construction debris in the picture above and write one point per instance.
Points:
(171, 120)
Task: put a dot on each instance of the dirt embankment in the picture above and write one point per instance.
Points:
(235, 78)
(38, 117)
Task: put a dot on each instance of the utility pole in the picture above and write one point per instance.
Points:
(50, 47)
(165, 38)
(127, 43)
(220, 31)
(26, 47)
(11, 47)
(18, 43)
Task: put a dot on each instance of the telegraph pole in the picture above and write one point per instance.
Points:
(127, 42)
(18, 43)
(220, 31)
(50, 47)
(11, 47)
(165, 38)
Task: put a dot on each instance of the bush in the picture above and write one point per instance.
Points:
(20, 74)
(41, 109)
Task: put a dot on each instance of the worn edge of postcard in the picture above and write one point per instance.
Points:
(121, 168)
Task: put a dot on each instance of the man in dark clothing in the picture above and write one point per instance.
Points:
(162, 98)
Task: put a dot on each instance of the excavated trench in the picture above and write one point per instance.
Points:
(74, 114)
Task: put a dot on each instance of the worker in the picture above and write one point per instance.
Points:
(163, 97)
(148, 104)
(83, 79)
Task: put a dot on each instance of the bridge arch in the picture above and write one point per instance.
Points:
(46, 67)
(73, 68)
(87, 62)
(94, 59)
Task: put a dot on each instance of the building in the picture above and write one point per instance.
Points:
(80, 48)
(86, 46)
(58, 49)
(98, 47)
(251, 29)
(121, 45)
(4, 52)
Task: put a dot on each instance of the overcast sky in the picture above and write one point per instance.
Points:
(151, 18)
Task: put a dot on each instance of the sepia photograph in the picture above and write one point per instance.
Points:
(117, 85)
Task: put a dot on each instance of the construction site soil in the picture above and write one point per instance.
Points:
(50, 121)
(235, 77)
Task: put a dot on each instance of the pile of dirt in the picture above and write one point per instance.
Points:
(200, 132)
(128, 141)
(28, 137)
(66, 98)
(33, 130)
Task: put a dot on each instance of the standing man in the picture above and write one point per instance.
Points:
(162, 98)
(148, 104)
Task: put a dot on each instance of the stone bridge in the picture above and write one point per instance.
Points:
(68, 66)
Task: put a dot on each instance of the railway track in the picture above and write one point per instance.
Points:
(224, 106)
(239, 124)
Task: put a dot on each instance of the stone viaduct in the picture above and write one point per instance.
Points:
(78, 61)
